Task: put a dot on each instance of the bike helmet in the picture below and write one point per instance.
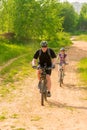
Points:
(62, 49)
(43, 43)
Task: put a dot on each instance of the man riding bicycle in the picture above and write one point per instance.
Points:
(46, 57)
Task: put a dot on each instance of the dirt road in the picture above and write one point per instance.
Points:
(65, 110)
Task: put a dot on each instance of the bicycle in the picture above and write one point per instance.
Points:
(43, 82)
(61, 74)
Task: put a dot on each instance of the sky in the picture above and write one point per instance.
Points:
(81, 1)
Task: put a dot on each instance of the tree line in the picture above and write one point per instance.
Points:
(40, 19)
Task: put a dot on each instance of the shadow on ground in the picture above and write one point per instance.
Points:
(74, 87)
(60, 105)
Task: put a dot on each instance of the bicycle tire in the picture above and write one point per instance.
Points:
(42, 99)
(45, 96)
(43, 93)
(61, 79)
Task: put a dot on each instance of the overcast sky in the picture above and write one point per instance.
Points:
(75, 0)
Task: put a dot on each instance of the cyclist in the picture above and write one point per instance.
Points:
(62, 58)
(45, 58)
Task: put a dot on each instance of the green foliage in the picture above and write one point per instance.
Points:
(63, 39)
(70, 17)
(31, 19)
(6, 15)
(82, 69)
(82, 23)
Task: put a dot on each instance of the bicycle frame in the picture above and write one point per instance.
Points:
(61, 74)
(43, 80)
(43, 87)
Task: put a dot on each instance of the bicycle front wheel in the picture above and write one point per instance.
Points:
(42, 99)
(61, 77)
(43, 92)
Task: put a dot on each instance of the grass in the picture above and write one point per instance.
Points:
(82, 69)
(70, 108)
(82, 37)
(10, 51)
(3, 116)
(19, 129)
(36, 118)
(14, 116)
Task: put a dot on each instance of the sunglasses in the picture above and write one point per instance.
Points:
(44, 46)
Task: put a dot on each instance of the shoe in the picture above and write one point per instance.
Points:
(39, 85)
(48, 94)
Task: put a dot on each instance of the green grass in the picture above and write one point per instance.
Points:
(36, 118)
(14, 116)
(9, 51)
(3, 116)
(82, 69)
(82, 37)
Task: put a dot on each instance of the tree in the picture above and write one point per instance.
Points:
(82, 23)
(6, 14)
(31, 19)
(70, 17)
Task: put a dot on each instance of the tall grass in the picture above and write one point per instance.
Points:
(82, 69)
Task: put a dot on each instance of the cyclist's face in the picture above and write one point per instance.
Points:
(44, 49)
(62, 52)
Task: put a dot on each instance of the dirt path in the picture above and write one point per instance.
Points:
(65, 110)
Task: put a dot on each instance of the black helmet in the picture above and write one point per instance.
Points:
(62, 49)
(43, 43)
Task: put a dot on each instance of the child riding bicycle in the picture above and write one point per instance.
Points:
(61, 57)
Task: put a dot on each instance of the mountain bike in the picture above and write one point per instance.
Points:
(43, 83)
(61, 74)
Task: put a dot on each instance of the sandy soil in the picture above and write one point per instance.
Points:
(66, 109)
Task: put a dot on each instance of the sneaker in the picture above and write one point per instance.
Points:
(48, 94)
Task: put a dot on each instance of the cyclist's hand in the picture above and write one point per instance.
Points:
(53, 66)
(38, 67)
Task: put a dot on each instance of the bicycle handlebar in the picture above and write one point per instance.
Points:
(39, 67)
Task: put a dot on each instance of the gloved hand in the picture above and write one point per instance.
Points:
(34, 66)
(53, 66)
